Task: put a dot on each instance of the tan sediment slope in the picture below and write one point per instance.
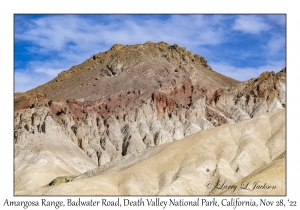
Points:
(46, 156)
(196, 164)
(267, 180)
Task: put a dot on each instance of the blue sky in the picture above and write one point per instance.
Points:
(239, 46)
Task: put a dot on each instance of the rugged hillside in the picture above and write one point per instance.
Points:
(256, 96)
(143, 68)
(130, 98)
(216, 161)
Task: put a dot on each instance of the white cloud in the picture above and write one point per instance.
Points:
(250, 24)
(48, 71)
(275, 44)
(38, 73)
(246, 73)
(279, 19)
(56, 32)
(27, 80)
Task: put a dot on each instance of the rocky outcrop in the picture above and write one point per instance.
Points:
(114, 136)
(43, 151)
(254, 97)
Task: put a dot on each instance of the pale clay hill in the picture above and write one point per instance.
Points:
(248, 151)
(128, 106)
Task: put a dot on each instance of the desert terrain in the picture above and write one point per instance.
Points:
(151, 119)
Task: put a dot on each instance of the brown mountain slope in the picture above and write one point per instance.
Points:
(141, 68)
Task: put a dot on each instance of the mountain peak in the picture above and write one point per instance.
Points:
(143, 67)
